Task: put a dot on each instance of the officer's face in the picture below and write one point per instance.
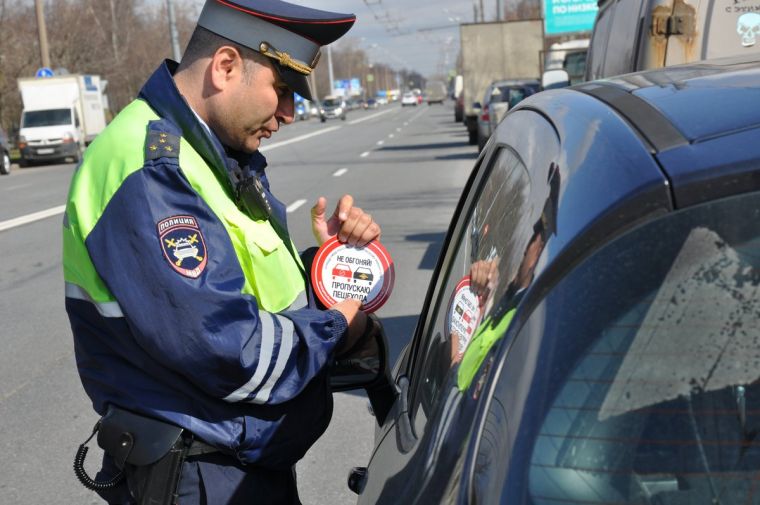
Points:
(257, 103)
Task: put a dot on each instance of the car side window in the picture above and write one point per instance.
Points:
(481, 257)
(489, 263)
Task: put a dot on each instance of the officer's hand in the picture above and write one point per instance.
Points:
(357, 323)
(484, 276)
(351, 224)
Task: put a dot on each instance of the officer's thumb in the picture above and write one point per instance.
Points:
(318, 211)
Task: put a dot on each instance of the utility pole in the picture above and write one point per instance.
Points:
(42, 29)
(173, 31)
(482, 12)
(498, 10)
(314, 91)
(330, 69)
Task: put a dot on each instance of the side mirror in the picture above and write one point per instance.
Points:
(476, 105)
(557, 78)
(366, 366)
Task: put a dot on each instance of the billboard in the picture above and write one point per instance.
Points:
(348, 87)
(566, 16)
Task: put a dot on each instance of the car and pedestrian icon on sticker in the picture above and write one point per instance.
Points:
(341, 270)
(362, 274)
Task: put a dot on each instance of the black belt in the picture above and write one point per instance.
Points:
(198, 448)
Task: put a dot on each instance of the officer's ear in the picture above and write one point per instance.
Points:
(226, 67)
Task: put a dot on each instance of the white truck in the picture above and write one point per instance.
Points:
(496, 51)
(61, 115)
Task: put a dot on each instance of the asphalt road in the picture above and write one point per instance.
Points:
(406, 166)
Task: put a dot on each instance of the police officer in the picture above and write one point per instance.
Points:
(187, 300)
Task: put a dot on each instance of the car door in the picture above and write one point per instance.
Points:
(487, 262)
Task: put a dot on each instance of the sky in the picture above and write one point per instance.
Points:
(420, 35)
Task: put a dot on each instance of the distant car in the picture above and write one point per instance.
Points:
(612, 230)
(381, 100)
(5, 153)
(435, 91)
(408, 99)
(371, 104)
(332, 108)
(301, 111)
(501, 96)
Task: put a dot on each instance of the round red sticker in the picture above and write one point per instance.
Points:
(463, 315)
(364, 273)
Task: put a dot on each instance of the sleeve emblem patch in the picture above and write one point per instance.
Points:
(183, 245)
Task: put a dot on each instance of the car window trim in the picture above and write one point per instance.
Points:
(653, 127)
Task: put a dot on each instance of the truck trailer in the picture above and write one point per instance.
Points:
(496, 51)
(61, 115)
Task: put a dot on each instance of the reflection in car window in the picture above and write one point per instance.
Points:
(491, 262)
(639, 373)
(486, 247)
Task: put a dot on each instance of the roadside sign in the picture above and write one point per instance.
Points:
(566, 16)
(365, 273)
(44, 72)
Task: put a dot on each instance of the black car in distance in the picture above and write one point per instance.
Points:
(591, 334)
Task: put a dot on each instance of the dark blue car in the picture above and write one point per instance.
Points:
(607, 253)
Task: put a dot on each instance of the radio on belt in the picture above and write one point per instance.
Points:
(341, 271)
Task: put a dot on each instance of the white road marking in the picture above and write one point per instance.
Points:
(30, 218)
(416, 116)
(298, 139)
(340, 172)
(380, 142)
(391, 136)
(373, 116)
(295, 206)
(406, 123)
(17, 186)
(365, 154)
(398, 129)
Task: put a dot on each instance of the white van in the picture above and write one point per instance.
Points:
(61, 115)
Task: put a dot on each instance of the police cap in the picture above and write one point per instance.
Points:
(289, 34)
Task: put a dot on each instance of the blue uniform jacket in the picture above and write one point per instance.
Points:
(199, 355)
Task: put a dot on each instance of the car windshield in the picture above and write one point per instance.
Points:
(331, 102)
(50, 117)
(514, 94)
(644, 369)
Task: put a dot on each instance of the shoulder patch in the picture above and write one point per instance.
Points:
(183, 245)
(162, 140)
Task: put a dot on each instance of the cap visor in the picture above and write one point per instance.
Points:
(296, 81)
